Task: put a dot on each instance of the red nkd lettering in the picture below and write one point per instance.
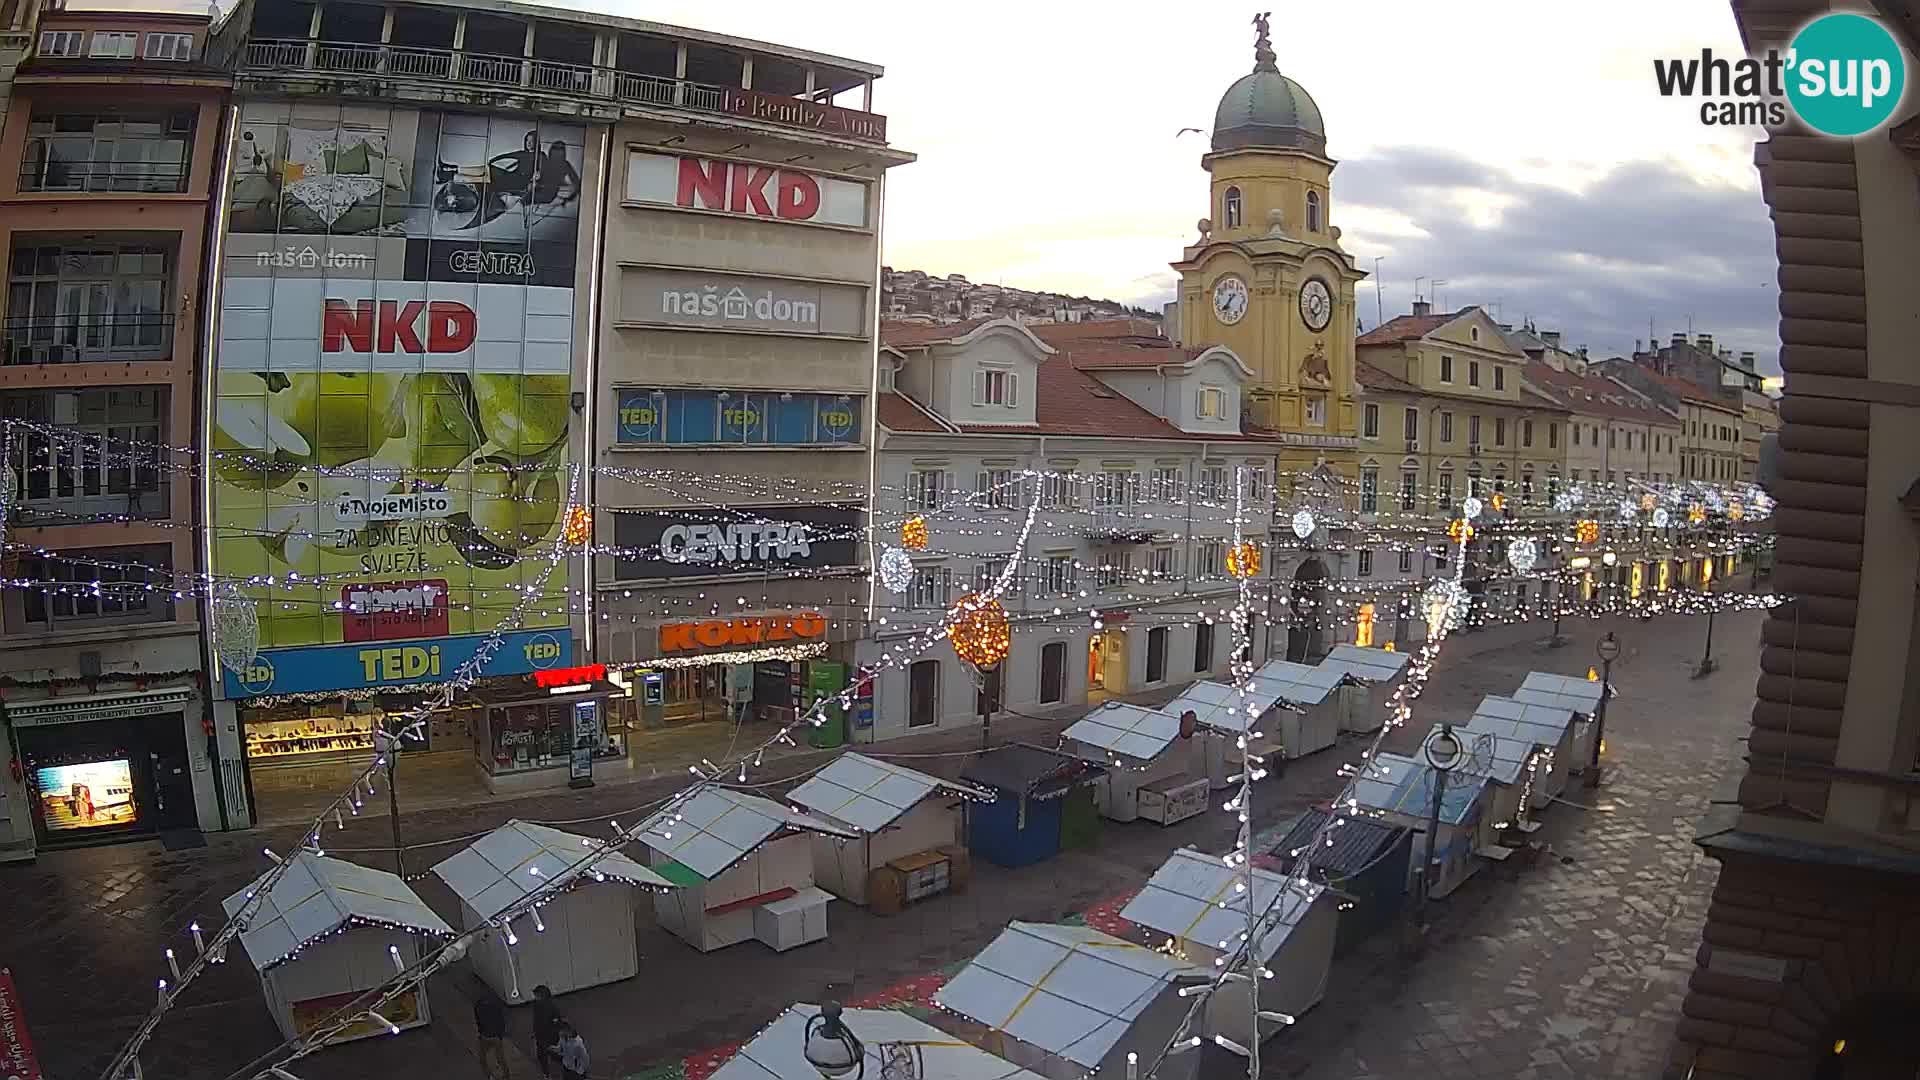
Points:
(738, 188)
(799, 197)
(703, 184)
(749, 192)
(392, 326)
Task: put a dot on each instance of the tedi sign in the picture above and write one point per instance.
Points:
(749, 189)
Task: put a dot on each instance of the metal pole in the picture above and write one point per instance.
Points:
(1559, 586)
(986, 711)
(393, 808)
(1706, 655)
(1600, 722)
(1433, 831)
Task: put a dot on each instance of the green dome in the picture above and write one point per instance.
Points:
(1265, 109)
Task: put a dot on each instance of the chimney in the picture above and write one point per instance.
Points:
(1551, 337)
(1422, 307)
(1746, 359)
(1636, 346)
(1679, 340)
(1583, 352)
(1705, 341)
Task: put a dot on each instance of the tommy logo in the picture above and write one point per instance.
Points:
(412, 326)
(395, 610)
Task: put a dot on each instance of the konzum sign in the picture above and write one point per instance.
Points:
(745, 188)
(759, 630)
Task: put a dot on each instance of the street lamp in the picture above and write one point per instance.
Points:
(831, 1048)
(1609, 650)
(1443, 751)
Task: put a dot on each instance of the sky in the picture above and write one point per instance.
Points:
(1516, 150)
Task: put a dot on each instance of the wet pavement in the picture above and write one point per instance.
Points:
(1572, 967)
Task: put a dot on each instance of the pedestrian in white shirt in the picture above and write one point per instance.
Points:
(572, 1052)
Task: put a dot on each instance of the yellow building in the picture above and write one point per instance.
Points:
(1268, 278)
(1442, 403)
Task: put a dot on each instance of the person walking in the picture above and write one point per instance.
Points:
(546, 1030)
(572, 1050)
(490, 1023)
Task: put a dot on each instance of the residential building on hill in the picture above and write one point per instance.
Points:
(918, 295)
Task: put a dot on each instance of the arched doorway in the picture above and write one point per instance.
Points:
(1872, 1040)
(1306, 607)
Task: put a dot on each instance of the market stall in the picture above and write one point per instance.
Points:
(894, 1044)
(1360, 706)
(532, 737)
(1154, 767)
(1362, 859)
(1313, 722)
(1224, 715)
(1069, 1001)
(743, 867)
(583, 936)
(1512, 767)
(1546, 726)
(1580, 696)
(1401, 790)
(911, 828)
(328, 931)
(1044, 803)
(1198, 901)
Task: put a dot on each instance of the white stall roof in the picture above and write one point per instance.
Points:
(870, 795)
(317, 895)
(1133, 730)
(520, 858)
(1404, 786)
(1182, 900)
(1543, 724)
(1221, 707)
(1072, 991)
(1560, 691)
(1500, 758)
(720, 826)
(778, 1052)
(1365, 664)
(1298, 683)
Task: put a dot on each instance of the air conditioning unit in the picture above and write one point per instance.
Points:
(1413, 446)
(1474, 449)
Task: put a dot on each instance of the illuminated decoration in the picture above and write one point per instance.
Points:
(1626, 510)
(1706, 571)
(1648, 501)
(1388, 646)
(1470, 509)
(980, 633)
(896, 570)
(1714, 502)
(913, 533)
(1665, 576)
(1363, 626)
(1459, 531)
(1587, 532)
(1444, 605)
(1522, 554)
(1499, 502)
(585, 673)
(1303, 523)
(1696, 514)
(1593, 673)
(236, 627)
(1579, 562)
(1735, 511)
(578, 531)
(1661, 519)
(1637, 580)
(1243, 560)
(1564, 502)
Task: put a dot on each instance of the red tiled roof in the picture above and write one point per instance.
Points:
(1071, 402)
(1592, 394)
(1407, 327)
(1375, 379)
(899, 414)
(1687, 390)
(1055, 333)
(1096, 355)
(897, 332)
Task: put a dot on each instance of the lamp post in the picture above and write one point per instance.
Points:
(1609, 649)
(1443, 751)
(989, 700)
(831, 1048)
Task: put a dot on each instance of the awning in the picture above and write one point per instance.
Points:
(79, 710)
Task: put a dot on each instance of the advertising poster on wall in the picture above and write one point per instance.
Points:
(89, 795)
(392, 389)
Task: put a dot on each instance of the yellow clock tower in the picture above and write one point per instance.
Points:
(1268, 278)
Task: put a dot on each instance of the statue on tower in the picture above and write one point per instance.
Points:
(1264, 58)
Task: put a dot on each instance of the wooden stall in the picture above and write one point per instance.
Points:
(895, 1045)
(1580, 696)
(1155, 768)
(1224, 715)
(1401, 789)
(1546, 726)
(1364, 859)
(1313, 722)
(1361, 700)
(1029, 820)
(912, 830)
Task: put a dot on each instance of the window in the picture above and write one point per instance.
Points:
(1162, 563)
(1526, 433)
(926, 489)
(61, 43)
(98, 303)
(107, 151)
(996, 386)
(1370, 421)
(1406, 561)
(1473, 431)
(1446, 427)
(1613, 439)
(1411, 426)
(1526, 487)
(1213, 559)
(1499, 431)
(923, 693)
(1473, 333)
(1610, 475)
(1443, 498)
(1157, 654)
(1212, 404)
(1366, 562)
(1053, 672)
(1446, 369)
(169, 47)
(1116, 570)
(1115, 489)
(113, 44)
(1553, 489)
(1473, 373)
(1499, 377)
(996, 489)
(1058, 491)
(932, 589)
(1316, 410)
(1369, 490)
(1553, 436)
(1593, 434)
(1059, 577)
(135, 585)
(1409, 490)
(1166, 485)
(1313, 211)
(986, 694)
(1202, 646)
(987, 573)
(1213, 483)
(1232, 210)
(105, 459)
(1575, 429)
(1256, 484)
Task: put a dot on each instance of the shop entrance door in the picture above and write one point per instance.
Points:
(173, 804)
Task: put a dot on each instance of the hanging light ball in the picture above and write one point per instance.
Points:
(1735, 511)
(1587, 532)
(1714, 501)
(1564, 501)
(1303, 523)
(1661, 519)
(1243, 560)
(1470, 509)
(896, 570)
(1459, 531)
(913, 533)
(979, 630)
(1696, 514)
(1444, 604)
(1626, 510)
(1648, 501)
(1499, 502)
(579, 527)
(1522, 554)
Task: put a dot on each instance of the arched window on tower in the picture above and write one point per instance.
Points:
(1232, 208)
(1313, 211)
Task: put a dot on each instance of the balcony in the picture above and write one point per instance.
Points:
(1124, 524)
(86, 339)
(596, 85)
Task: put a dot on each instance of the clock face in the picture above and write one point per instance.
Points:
(1230, 299)
(1316, 304)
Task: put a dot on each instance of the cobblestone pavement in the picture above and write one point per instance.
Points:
(1571, 969)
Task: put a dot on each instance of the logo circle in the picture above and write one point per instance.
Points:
(543, 651)
(1846, 74)
(257, 677)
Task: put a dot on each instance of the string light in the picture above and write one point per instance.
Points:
(578, 530)
(1243, 559)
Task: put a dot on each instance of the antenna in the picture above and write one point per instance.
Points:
(1379, 304)
(1416, 288)
(1437, 282)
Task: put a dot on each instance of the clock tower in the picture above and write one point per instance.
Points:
(1268, 278)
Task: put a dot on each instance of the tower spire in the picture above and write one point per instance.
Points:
(1264, 58)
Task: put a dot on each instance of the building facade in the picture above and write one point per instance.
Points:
(116, 120)
(1713, 433)
(1808, 965)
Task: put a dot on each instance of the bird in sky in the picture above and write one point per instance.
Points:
(1183, 131)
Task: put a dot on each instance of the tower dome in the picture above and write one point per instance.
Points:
(1267, 109)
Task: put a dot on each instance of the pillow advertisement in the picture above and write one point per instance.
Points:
(392, 390)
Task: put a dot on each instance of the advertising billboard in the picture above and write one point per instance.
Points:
(695, 542)
(86, 795)
(736, 418)
(685, 299)
(392, 388)
(748, 189)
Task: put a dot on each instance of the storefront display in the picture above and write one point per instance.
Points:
(89, 795)
(105, 766)
(520, 733)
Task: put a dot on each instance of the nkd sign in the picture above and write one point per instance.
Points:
(726, 302)
(745, 188)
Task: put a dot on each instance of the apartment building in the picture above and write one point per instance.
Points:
(1714, 442)
(105, 222)
(1615, 436)
(1808, 964)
